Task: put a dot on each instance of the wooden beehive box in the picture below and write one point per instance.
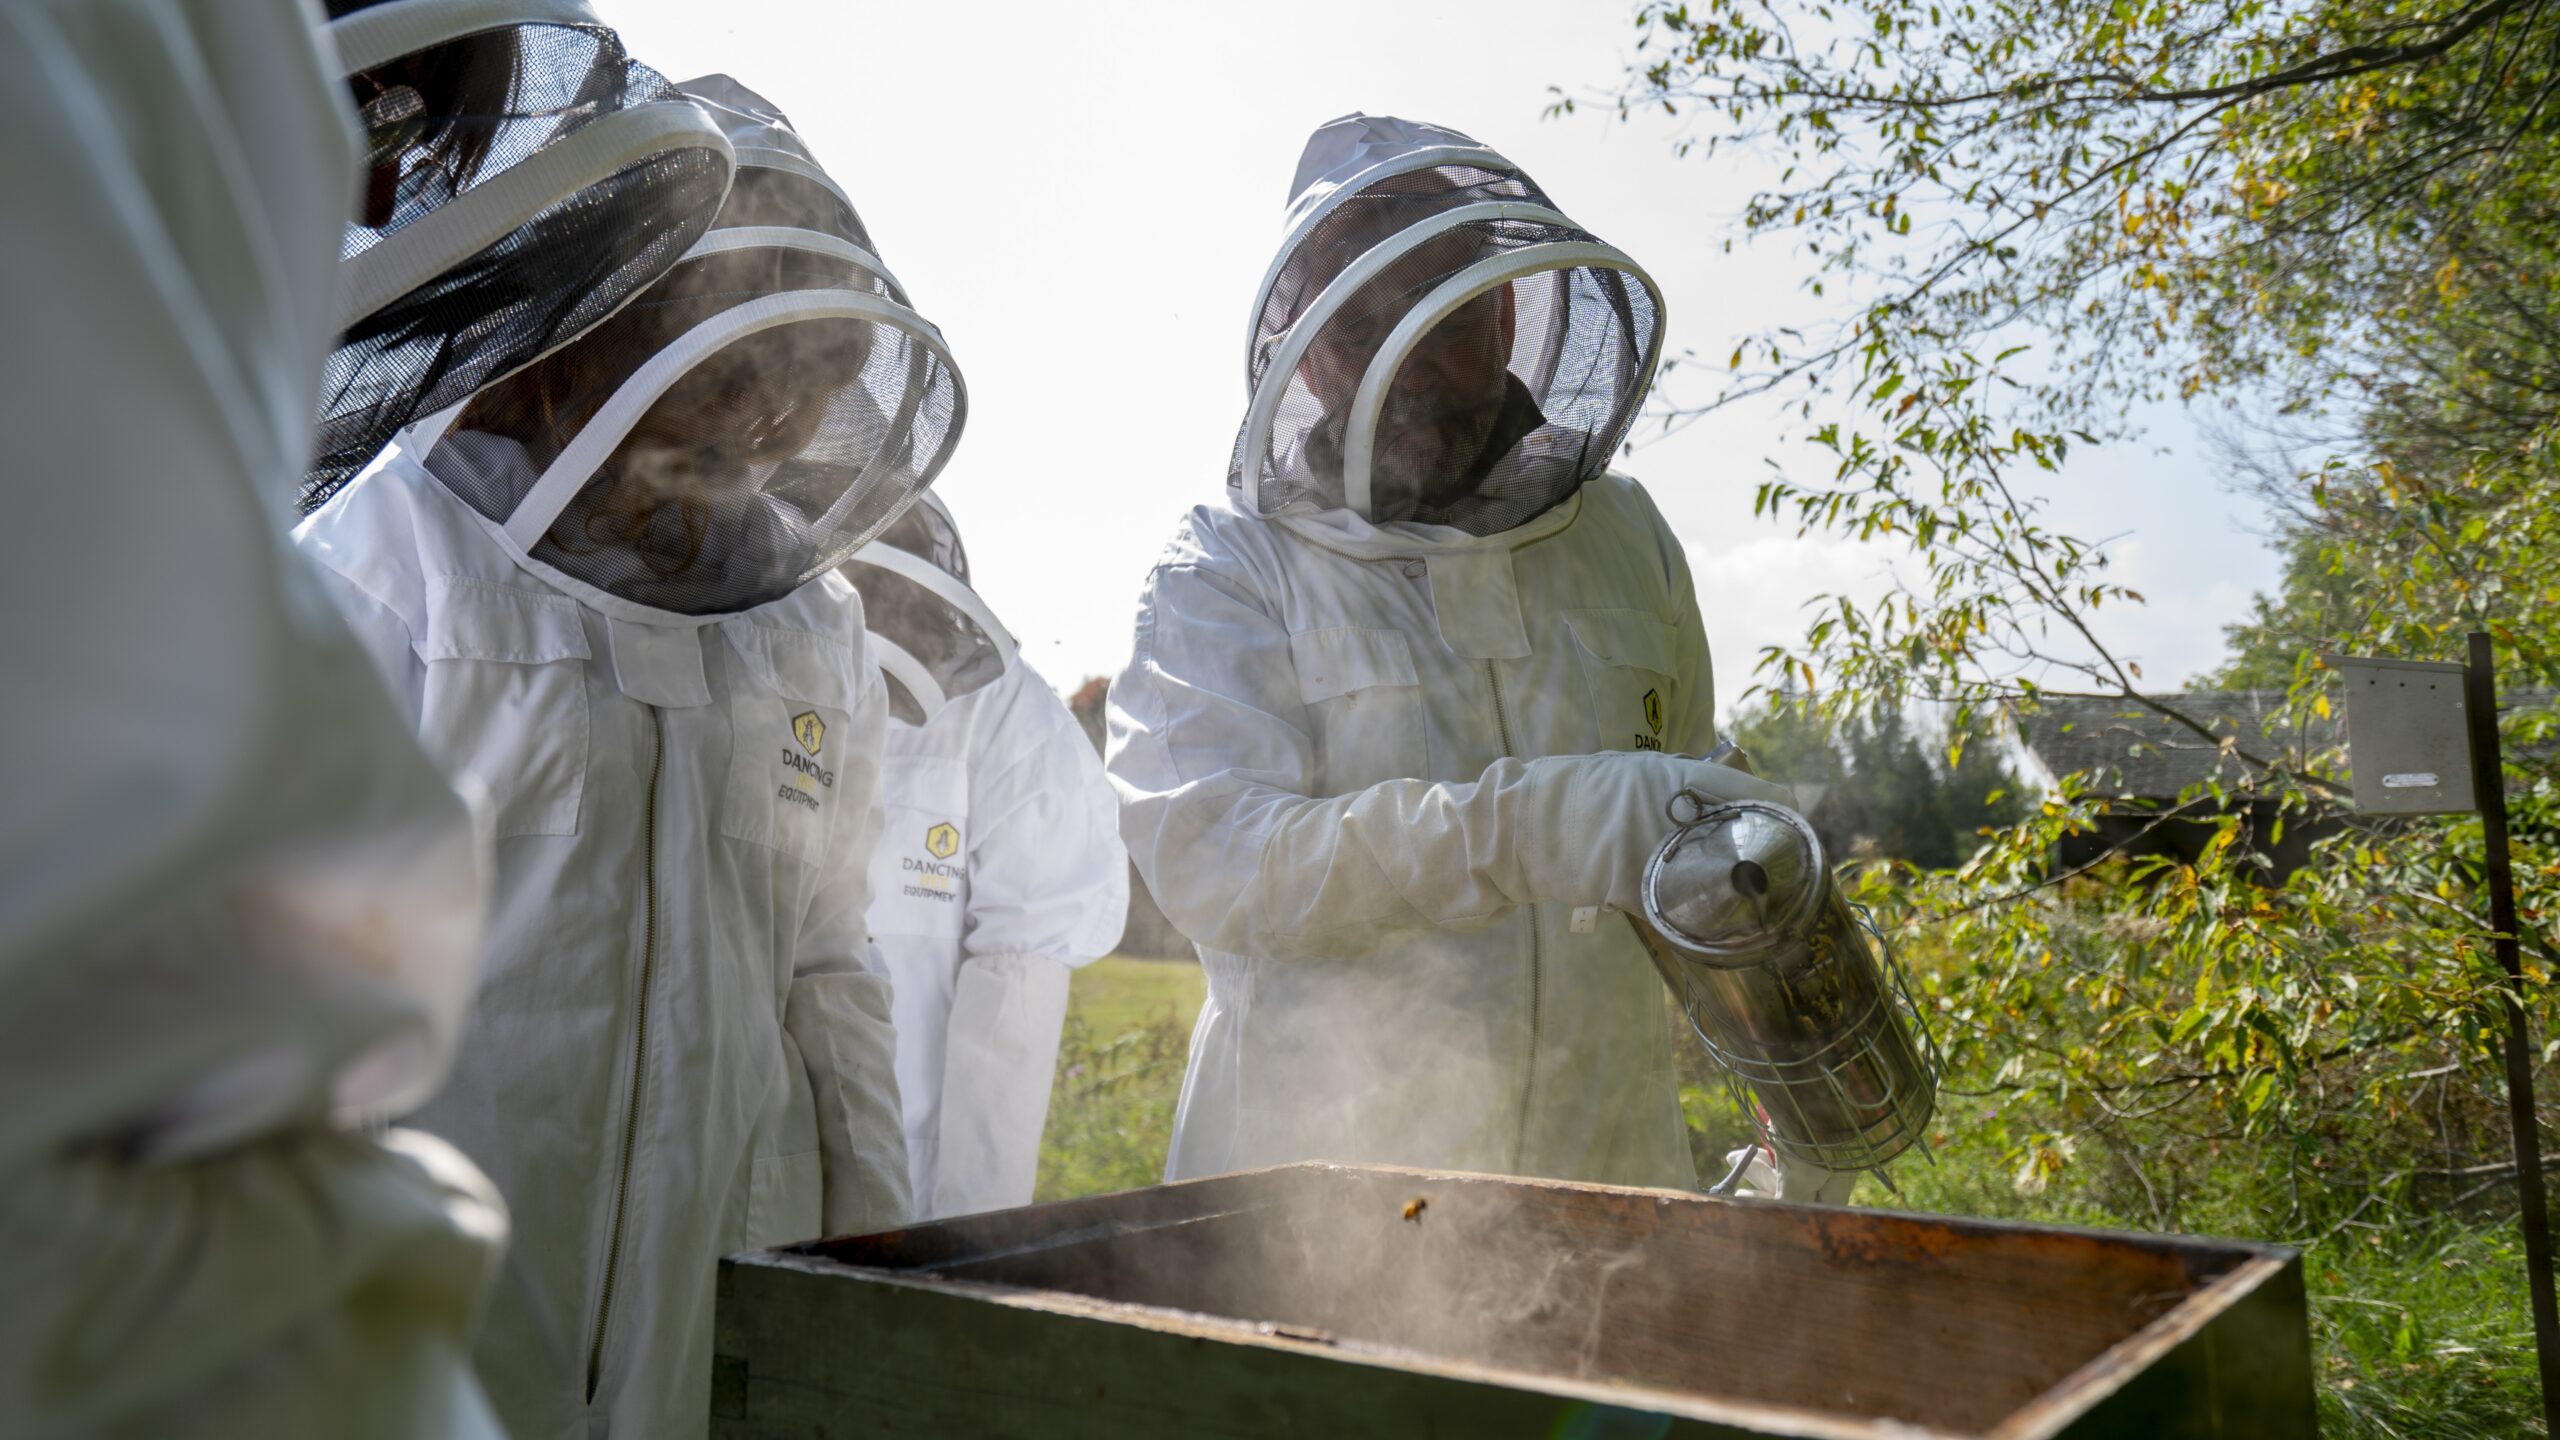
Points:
(1327, 1300)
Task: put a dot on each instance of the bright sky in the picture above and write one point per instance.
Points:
(1084, 196)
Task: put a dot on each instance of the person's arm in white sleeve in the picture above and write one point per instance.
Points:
(1212, 757)
(239, 910)
(837, 1009)
(1048, 891)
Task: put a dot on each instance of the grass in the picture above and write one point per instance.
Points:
(1119, 1075)
(2419, 1322)
(1117, 994)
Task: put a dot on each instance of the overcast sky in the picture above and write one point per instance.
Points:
(1084, 196)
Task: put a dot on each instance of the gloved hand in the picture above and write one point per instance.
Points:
(1765, 1177)
(1593, 820)
(1759, 1178)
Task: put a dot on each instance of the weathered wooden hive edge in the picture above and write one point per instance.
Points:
(2243, 1319)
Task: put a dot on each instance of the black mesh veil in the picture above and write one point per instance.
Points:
(734, 432)
(524, 178)
(935, 639)
(1437, 343)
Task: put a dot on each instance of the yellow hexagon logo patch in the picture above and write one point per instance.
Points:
(1653, 710)
(943, 840)
(809, 730)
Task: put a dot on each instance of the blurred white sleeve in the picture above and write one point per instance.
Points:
(1048, 890)
(238, 907)
(190, 729)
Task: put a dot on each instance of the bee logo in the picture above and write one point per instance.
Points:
(942, 840)
(1653, 710)
(809, 730)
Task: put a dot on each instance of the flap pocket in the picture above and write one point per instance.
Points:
(785, 1200)
(792, 698)
(471, 619)
(1626, 637)
(934, 784)
(505, 699)
(798, 664)
(1332, 663)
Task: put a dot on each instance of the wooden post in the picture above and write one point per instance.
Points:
(2488, 780)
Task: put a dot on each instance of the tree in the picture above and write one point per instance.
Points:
(2165, 198)
(2024, 217)
(1874, 789)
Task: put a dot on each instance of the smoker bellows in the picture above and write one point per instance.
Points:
(1323, 1300)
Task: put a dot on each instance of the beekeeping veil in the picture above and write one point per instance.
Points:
(935, 639)
(523, 179)
(1435, 342)
(738, 429)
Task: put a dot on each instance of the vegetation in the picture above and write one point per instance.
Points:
(2330, 221)
(1876, 786)
(1119, 1076)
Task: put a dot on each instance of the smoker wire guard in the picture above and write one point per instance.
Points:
(1897, 1127)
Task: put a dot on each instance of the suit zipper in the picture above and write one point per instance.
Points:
(639, 1047)
(1537, 950)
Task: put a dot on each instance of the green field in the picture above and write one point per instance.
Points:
(1116, 994)
(1119, 1074)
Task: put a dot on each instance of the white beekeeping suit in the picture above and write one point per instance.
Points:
(999, 869)
(239, 910)
(1404, 713)
(604, 589)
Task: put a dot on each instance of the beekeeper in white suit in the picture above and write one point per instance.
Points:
(999, 868)
(240, 911)
(605, 588)
(1405, 710)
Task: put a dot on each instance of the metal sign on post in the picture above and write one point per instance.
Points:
(2422, 739)
(2410, 737)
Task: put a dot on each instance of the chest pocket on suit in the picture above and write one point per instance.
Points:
(791, 697)
(920, 868)
(1361, 689)
(1628, 663)
(506, 699)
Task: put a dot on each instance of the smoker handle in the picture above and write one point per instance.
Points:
(1726, 754)
(1730, 756)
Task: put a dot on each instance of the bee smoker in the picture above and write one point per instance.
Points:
(1775, 972)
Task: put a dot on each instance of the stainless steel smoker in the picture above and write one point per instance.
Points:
(1812, 1024)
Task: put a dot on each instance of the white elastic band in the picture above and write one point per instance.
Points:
(481, 216)
(910, 672)
(772, 157)
(381, 33)
(599, 437)
(893, 439)
(942, 585)
(793, 237)
(1393, 165)
(1457, 290)
(1293, 346)
(423, 435)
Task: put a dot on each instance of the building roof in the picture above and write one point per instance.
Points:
(2135, 749)
(2138, 751)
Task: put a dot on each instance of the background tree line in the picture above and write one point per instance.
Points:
(1877, 787)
